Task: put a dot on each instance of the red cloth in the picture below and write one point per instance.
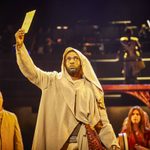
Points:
(134, 139)
(93, 139)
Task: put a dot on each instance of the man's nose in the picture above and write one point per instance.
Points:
(72, 60)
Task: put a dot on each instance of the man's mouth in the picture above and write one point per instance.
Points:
(72, 67)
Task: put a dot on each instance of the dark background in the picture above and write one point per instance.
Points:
(52, 12)
(20, 95)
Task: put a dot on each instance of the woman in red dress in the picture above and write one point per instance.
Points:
(136, 127)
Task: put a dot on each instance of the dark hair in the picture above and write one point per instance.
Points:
(128, 31)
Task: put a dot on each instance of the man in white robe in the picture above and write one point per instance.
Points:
(70, 99)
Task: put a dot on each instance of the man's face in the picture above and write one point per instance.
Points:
(73, 64)
(1, 101)
(135, 118)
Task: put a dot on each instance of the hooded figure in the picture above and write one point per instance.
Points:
(66, 103)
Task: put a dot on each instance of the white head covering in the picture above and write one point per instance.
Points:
(88, 73)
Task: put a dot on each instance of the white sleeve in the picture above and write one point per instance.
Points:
(30, 71)
(107, 134)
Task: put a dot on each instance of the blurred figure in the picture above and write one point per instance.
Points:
(10, 134)
(136, 127)
(85, 50)
(133, 63)
(144, 31)
(48, 41)
(48, 46)
(38, 42)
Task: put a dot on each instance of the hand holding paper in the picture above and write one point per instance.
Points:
(27, 20)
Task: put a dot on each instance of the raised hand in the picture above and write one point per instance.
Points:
(19, 36)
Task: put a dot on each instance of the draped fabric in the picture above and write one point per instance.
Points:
(11, 138)
(65, 103)
(93, 139)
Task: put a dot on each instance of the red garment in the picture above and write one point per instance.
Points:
(139, 139)
(93, 139)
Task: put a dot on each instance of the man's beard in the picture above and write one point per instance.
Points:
(73, 71)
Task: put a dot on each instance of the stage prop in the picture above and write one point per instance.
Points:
(141, 91)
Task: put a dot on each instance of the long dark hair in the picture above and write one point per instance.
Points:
(129, 125)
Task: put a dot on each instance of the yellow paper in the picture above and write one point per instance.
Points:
(27, 20)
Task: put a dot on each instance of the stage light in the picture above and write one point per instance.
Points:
(65, 27)
(122, 22)
(148, 22)
(59, 27)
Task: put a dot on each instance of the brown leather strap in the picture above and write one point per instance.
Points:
(73, 136)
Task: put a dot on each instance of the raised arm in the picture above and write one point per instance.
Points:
(24, 61)
(37, 76)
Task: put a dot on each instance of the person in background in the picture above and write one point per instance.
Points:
(133, 63)
(136, 126)
(144, 32)
(72, 100)
(10, 134)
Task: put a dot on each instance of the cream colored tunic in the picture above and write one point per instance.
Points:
(11, 138)
(65, 103)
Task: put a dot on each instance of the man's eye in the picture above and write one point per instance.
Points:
(75, 58)
(68, 58)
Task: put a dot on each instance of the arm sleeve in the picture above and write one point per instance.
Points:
(30, 71)
(18, 143)
(107, 134)
(25, 63)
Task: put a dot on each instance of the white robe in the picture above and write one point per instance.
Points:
(64, 103)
